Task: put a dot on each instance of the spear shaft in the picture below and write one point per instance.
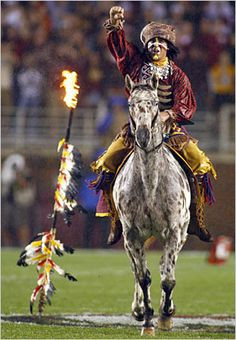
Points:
(68, 130)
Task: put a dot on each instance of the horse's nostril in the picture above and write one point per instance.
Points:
(143, 136)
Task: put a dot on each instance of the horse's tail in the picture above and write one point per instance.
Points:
(149, 242)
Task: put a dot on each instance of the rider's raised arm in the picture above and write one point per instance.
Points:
(184, 100)
(126, 54)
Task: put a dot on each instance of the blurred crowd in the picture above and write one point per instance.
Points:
(40, 38)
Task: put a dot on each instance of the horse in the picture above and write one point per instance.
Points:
(152, 196)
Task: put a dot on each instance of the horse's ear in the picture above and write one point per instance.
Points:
(129, 83)
(154, 82)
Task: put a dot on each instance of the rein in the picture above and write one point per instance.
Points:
(157, 147)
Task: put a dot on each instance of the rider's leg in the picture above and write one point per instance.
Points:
(197, 160)
(106, 167)
(201, 167)
(112, 157)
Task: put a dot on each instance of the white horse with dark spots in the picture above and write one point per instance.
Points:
(152, 197)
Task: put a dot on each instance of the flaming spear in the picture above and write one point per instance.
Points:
(72, 91)
(40, 252)
(69, 173)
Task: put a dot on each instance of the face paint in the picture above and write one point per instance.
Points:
(154, 47)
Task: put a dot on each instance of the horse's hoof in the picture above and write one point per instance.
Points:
(165, 323)
(149, 331)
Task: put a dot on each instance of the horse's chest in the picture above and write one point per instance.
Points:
(141, 207)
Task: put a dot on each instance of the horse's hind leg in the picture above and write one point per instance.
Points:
(167, 271)
(143, 278)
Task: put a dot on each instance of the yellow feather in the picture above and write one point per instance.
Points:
(61, 142)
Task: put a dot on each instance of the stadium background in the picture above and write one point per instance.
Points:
(39, 40)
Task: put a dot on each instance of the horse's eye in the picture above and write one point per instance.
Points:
(148, 103)
(156, 103)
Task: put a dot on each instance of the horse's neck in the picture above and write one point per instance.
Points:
(150, 166)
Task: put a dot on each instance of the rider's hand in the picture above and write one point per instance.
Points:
(165, 115)
(117, 16)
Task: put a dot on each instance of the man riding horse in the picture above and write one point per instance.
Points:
(177, 105)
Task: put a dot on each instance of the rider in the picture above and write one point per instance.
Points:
(177, 105)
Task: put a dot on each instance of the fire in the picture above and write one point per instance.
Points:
(71, 88)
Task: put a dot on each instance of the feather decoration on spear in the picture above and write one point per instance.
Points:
(40, 253)
(68, 183)
(44, 245)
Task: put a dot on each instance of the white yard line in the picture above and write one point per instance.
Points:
(128, 320)
(123, 320)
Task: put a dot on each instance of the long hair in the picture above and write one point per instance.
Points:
(172, 52)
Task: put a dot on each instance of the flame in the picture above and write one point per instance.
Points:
(71, 88)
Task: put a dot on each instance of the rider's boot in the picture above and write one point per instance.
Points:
(103, 182)
(116, 226)
(115, 232)
(197, 224)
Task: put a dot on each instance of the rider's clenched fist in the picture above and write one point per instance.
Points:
(117, 16)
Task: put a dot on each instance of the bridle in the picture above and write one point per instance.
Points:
(157, 147)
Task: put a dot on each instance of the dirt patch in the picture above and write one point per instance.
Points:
(216, 324)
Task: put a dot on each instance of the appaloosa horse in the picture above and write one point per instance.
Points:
(152, 196)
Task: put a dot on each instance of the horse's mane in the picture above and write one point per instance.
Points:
(142, 86)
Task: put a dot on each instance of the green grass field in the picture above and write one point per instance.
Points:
(105, 286)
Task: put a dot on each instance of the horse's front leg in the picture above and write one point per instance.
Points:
(142, 299)
(138, 304)
(168, 261)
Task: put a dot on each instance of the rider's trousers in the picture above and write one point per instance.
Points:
(191, 153)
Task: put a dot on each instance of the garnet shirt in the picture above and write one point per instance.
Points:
(135, 63)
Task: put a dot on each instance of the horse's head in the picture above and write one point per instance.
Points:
(144, 113)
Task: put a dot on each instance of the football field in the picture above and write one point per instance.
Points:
(98, 306)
